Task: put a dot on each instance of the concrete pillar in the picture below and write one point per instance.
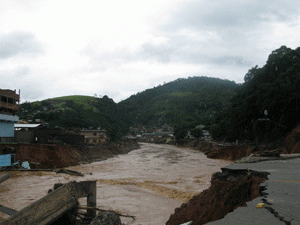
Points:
(92, 199)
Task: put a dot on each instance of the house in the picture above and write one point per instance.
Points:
(206, 134)
(39, 134)
(157, 137)
(9, 105)
(25, 126)
(94, 136)
(25, 132)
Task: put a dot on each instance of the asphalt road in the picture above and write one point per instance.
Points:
(281, 196)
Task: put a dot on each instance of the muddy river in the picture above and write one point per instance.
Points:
(148, 183)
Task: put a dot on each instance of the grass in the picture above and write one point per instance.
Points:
(76, 98)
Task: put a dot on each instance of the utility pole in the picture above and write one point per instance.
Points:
(266, 113)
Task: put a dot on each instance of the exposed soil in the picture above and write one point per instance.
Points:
(229, 190)
(92, 153)
(46, 156)
(232, 152)
(293, 141)
(41, 156)
(216, 150)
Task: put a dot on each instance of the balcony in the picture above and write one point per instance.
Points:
(9, 106)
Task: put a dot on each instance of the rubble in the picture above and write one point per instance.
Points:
(70, 172)
(106, 218)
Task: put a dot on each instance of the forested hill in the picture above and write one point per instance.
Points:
(76, 111)
(181, 103)
(267, 106)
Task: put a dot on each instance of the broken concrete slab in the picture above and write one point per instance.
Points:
(255, 159)
(70, 172)
(4, 177)
(281, 195)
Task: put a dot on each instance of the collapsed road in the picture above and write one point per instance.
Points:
(277, 204)
(281, 195)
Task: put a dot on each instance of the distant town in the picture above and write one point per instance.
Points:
(12, 129)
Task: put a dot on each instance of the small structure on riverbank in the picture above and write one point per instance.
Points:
(157, 137)
(97, 136)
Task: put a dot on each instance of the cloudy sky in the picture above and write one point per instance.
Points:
(52, 48)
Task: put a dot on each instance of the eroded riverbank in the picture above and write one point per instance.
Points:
(148, 183)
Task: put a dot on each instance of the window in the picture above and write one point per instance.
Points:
(3, 98)
(10, 100)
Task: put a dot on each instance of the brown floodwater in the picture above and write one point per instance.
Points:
(148, 183)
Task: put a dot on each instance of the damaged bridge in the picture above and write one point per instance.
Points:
(53, 206)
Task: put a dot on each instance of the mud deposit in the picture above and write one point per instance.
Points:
(148, 183)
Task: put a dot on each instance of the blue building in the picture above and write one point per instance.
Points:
(9, 105)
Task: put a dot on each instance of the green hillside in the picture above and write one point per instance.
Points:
(183, 102)
(82, 100)
(77, 111)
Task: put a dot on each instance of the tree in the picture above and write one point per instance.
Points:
(274, 87)
(180, 133)
(251, 73)
(196, 132)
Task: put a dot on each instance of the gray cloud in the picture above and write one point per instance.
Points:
(18, 43)
(214, 14)
(221, 33)
(218, 38)
(21, 78)
(161, 52)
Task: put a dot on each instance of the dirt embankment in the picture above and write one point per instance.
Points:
(215, 150)
(92, 153)
(46, 156)
(292, 143)
(229, 190)
(43, 156)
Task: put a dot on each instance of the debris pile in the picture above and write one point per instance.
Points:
(106, 218)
